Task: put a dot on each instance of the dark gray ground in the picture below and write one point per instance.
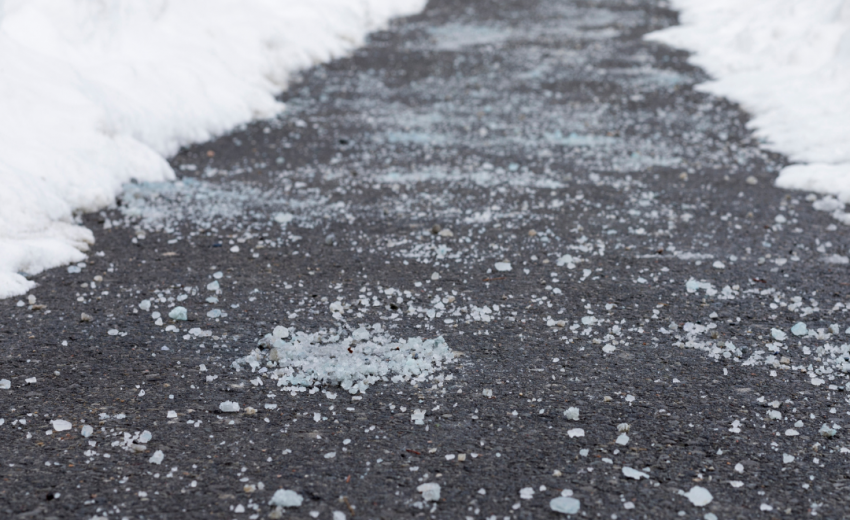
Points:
(531, 131)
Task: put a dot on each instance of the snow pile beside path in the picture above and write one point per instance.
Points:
(788, 63)
(94, 93)
(355, 362)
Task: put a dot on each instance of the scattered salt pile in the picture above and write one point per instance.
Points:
(788, 63)
(96, 93)
(354, 361)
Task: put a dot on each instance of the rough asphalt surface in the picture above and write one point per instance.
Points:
(547, 137)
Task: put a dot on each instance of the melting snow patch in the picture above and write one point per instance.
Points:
(354, 361)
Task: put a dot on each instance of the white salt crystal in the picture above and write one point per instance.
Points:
(61, 425)
(699, 496)
(157, 457)
(286, 498)
(229, 406)
(430, 491)
(571, 413)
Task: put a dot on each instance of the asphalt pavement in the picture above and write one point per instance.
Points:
(597, 242)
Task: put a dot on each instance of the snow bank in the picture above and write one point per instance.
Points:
(94, 93)
(788, 63)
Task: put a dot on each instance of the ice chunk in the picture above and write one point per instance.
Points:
(778, 335)
(430, 491)
(622, 439)
(571, 413)
(171, 414)
(503, 266)
(633, 473)
(213, 286)
(145, 437)
(286, 498)
(215, 313)
(178, 313)
(566, 505)
(229, 406)
(280, 332)
(486, 392)
(145, 305)
(526, 493)
(624, 427)
(575, 432)
(61, 425)
(5, 384)
(699, 496)
(718, 265)
(86, 431)
(157, 457)
(799, 329)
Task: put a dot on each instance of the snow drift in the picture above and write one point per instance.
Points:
(94, 93)
(788, 63)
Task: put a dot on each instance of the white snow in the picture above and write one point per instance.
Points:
(788, 63)
(96, 93)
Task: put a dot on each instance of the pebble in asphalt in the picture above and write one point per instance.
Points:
(529, 181)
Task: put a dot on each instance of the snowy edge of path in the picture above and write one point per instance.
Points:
(95, 94)
(786, 62)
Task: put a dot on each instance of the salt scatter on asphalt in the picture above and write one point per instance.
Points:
(699, 496)
(633, 473)
(566, 505)
(157, 457)
(178, 313)
(354, 360)
(576, 432)
(286, 498)
(229, 406)
(430, 491)
(5, 384)
(571, 413)
(61, 425)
